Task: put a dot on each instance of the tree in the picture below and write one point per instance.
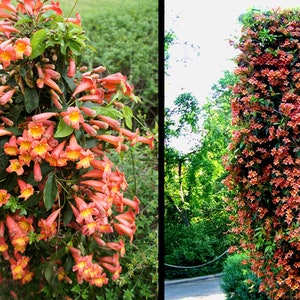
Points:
(194, 193)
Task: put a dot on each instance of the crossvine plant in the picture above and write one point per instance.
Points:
(264, 158)
(63, 214)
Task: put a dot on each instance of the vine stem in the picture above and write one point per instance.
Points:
(72, 9)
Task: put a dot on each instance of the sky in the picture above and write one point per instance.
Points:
(208, 27)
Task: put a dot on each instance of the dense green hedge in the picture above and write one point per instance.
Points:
(238, 281)
(191, 246)
(126, 40)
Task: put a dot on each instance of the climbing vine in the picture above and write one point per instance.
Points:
(264, 158)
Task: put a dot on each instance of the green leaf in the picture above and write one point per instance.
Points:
(108, 112)
(49, 272)
(31, 99)
(37, 42)
(75, 47)
(68, 214)
(50, 191)
(63, 129)
(127, 113)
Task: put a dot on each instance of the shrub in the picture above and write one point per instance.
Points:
(190, 246)
(127, 42)
(238, 281)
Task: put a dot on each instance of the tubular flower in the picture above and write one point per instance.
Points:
(76, 20)
(37, 171)
(72, 68)
(114, 140)
(48, 226)
(36, 130)
(15, 166)
(112, 264)
(120, 247)
(61, 275)
(86, 211)
(124, 229)
(6, 97)
(4, 197)
(73, 150)
(147, 140)
(26, 189)
(7, 54)
(85, 159)
(24, 142)
(87, 270)
(22, 47)
(72, 117)
(11, 147)
(112, 81)
(40, 148)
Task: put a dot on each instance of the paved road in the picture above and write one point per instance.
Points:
(204, 288)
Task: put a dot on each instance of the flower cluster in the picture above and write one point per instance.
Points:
(59, 191)
(264, 160)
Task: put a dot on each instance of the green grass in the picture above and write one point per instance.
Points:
(90, 8)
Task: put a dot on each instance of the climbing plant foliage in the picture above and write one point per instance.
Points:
(264, 154)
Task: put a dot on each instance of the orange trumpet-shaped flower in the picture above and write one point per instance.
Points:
(71, 68)
(123, 229)
(88, 111)
(18, 268)
(12, 226)
(11, 147)
(25, 223)
(55, 99)
(86, 84)
(6, 97)
(112, 81)
(43, 116)
(36, 130)
(3, 245)
(40, 148)
(61, 275)
(24, 142)
(4, 132)
(114, 140)
(7, 121)
(26, 189)
(20, 242)
(2, 228)
(76, 20)
(110, 121)
(37, 171)
(86, 211)
(126, 218)
(90, 130)
(85, 159)
(55, 6)
(15, 166)
(22, 47)
(120, 246)
(6, 4)
(7, 52)
(48, 226)
(132, 203)
(72, 117)
(73, 150)
(147, 140)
